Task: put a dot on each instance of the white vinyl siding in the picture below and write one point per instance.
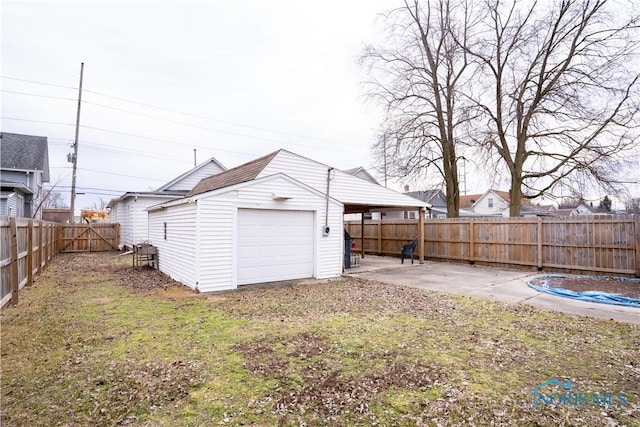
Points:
(133, 218)
(176, 254)
(490, 204)
(190, 180)
(215, 242)
(215, 245)
(344, 187)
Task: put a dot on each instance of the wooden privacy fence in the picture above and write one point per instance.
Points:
(89, 237)
(27, 247)
(593, 244)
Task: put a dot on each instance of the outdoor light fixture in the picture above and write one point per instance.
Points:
(280, 197)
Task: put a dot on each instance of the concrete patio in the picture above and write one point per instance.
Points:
(506, 285)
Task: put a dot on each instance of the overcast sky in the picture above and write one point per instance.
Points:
(251, 76)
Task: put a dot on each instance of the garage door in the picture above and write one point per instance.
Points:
(274, 245)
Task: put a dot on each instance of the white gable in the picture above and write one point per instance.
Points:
(346, 188)
(490, 203)
(188, 180)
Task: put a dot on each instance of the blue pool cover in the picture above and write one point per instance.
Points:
(590, 296)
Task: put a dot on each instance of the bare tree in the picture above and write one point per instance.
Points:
(51, 199)
(416, 77)
(559, 92)
(54, 200)
(101, 204)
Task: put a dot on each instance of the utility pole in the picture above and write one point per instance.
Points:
(195, 163)
(75, 151)
(384, 149)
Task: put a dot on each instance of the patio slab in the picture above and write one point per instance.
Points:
(509, 286)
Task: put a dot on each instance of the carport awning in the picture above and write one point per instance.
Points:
(351, 208)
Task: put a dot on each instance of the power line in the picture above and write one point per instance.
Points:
(37, 121)
(211, 129)
(104, 148)
(40, 83)
(35, 94)
(214, 120)
(162, 140)
(109, 173)
(91, 188)
(173, 111)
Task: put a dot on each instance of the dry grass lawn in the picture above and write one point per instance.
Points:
(96, 342)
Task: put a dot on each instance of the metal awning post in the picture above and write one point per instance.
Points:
(421, 231)
(362, 233)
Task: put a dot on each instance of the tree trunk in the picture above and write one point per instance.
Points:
(451, 179)
(515, 195)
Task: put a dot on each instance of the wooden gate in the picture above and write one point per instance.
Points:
(89, 237)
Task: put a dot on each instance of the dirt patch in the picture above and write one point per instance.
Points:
(144, 278)
(349, 295)
(609, 285)
(125, 386)
(312, 377)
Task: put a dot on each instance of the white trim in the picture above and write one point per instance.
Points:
(240, 186)
(198, 244)
(189, 172)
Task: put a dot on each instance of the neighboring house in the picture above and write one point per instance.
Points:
(185, 182)
(361, 172)
(493, 203)
(129, 210)
(435, 197)
(577, 209)
(496, 203)
(536, 210)
(24, 168)
(268, 220)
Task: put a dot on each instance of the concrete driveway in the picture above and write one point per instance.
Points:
(499, 284)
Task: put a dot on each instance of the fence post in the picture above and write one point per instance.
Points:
(30, 253)
(362, 233)
(49, 240)
(45, 252)
(380, 237)
(540, 237)
(471, 241)
(421, 232)
(15, 279)
(637, 232)
(40, 246)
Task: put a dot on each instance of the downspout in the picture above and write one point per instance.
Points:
(326, 215)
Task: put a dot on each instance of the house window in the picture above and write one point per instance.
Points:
(165, 231)
(412, 215)
(367, 216)
(490, 201)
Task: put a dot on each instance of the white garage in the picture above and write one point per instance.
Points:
(268, 220)
(274, 245)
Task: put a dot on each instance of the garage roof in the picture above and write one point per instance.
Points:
(357, 194)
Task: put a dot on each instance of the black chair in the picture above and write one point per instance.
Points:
(407, 250)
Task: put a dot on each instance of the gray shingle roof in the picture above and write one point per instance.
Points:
(24, 152)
